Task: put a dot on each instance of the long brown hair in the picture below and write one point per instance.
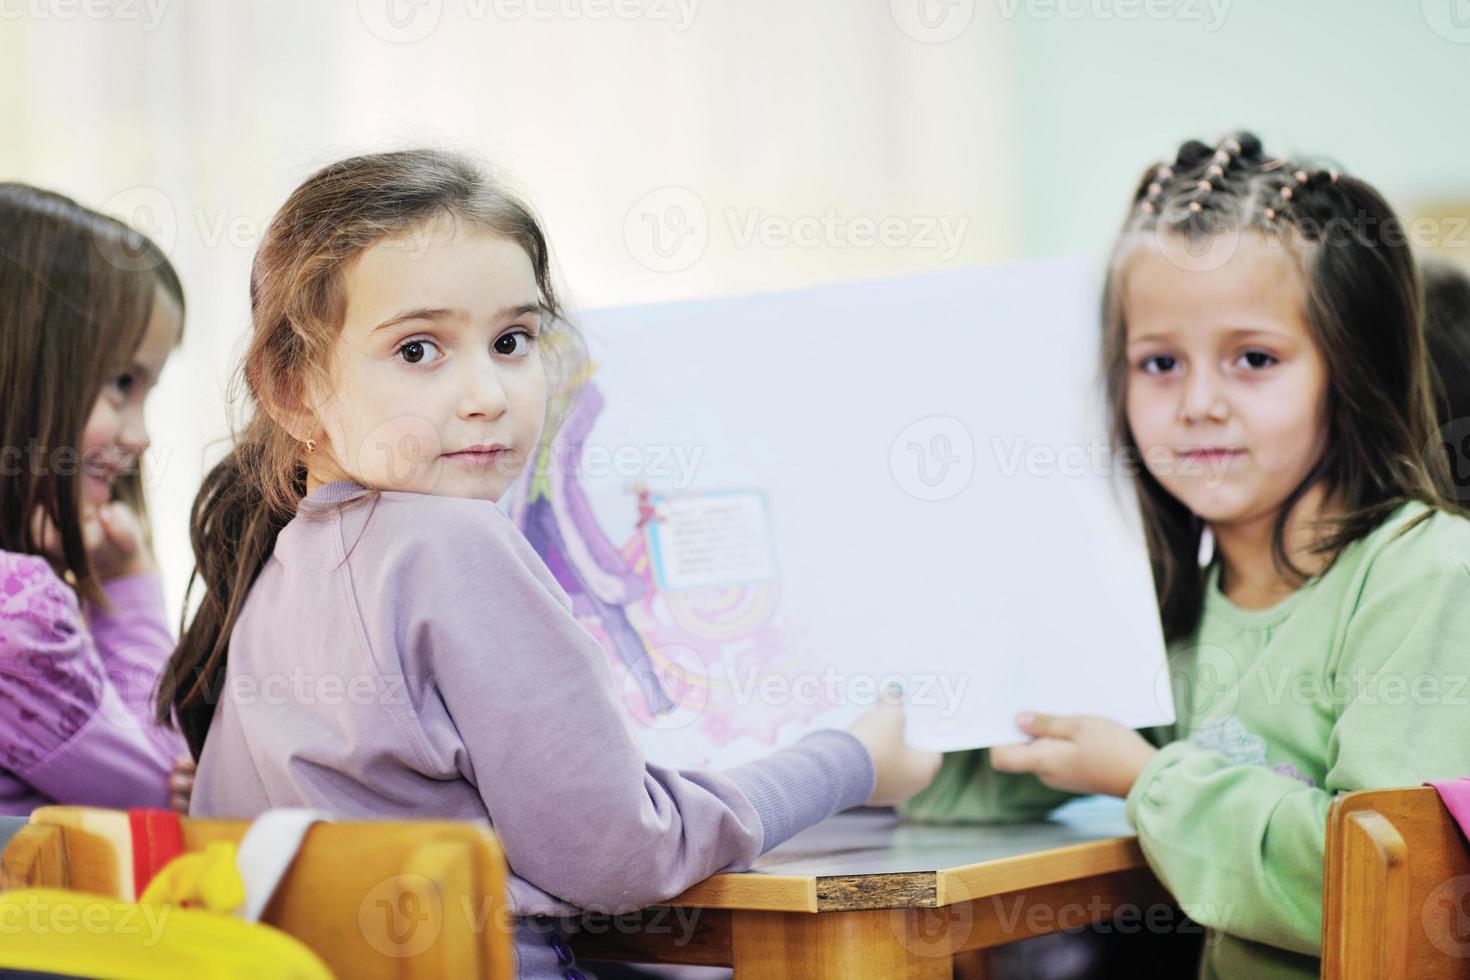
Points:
(297, 309)
(76, 293)
(1363, 310)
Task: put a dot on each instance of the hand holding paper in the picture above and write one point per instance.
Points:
(903, 771)
(1077, 753)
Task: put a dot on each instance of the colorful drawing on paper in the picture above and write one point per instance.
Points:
(684, 598)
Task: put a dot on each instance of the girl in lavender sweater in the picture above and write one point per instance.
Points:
(89, 312)
(376, 637)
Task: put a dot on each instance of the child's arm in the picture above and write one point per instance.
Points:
(1242, 847)
(580, 812)
(969, 790)
(132, 636)
(69, 730)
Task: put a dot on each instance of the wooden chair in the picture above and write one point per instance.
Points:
(374, 900)
(1396, 888)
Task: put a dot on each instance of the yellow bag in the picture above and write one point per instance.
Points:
(184, 925)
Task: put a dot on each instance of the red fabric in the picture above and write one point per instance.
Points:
(157, 840)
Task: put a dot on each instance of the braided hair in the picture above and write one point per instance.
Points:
(1362, 308)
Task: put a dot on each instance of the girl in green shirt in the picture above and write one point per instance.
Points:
(1265, 368)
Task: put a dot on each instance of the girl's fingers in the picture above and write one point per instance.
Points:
(1026, 757)
(121, 526)
(1038, 725)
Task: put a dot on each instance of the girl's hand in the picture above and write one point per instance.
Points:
(115, 541)
(181, 785)
(902, 771)
(112, 536)
(1076, 753)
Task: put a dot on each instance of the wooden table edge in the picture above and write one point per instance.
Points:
(756, 892)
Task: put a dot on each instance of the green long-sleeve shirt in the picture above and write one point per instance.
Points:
(1358, 680)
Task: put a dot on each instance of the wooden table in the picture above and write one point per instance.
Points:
(865, 895)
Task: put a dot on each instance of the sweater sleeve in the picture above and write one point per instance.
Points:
(1242, 846)
(74, 725)
(132, 635)
(579, 810)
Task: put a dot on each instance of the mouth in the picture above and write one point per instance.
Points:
(1208, 454)
(101, 480)
(480, 455)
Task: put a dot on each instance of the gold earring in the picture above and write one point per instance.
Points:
(310, 445)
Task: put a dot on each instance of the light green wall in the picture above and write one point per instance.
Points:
(1369, 84)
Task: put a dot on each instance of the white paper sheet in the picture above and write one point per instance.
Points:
(793, 498)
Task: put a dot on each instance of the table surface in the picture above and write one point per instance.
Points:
(872, 859)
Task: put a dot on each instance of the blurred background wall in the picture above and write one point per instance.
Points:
(683, 148)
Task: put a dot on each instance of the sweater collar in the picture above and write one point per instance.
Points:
(331, 494)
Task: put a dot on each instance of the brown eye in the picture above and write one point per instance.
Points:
(1257, 359)
(517, 343)
(413, 351)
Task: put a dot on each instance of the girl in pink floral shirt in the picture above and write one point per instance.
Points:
(89, 312)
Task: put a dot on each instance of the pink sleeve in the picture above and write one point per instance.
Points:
(75, 725)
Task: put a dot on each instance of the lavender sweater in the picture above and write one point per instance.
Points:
(407, 656)
(76, 691)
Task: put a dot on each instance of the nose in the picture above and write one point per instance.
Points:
(1204, 397)
(483, 393)
(132, 432)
